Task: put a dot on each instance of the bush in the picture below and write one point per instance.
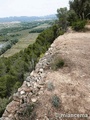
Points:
(50, 86)
(57, 63)
(55, 101)
(79, 25)
(27, 112)
(72, 17)
(60, 32)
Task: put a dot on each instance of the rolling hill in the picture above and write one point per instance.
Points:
(27, 19)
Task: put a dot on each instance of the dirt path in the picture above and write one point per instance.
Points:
(72, 83)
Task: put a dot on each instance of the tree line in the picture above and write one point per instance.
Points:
(8, 45)
(76, 16)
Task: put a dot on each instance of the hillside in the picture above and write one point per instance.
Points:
(27, 19)
(48, 93)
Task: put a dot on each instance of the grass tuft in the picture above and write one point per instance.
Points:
(55, 101)
(57, 63)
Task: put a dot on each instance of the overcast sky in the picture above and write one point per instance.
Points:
(30, 7)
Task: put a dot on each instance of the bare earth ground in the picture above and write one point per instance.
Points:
(72, 82)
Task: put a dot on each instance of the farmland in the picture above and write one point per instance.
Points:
(20, 34)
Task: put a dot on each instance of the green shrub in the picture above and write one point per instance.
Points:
(50, 86)
(28, 110)
(41, 55)
(60, 32)
(57, 63)
(55, 101)
(79, 25)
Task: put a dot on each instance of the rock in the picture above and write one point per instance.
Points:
(39, 86)
(30, 94)
(41, 70)
(52, 45)
(26, 89)
(22, 92)
(50, 48)
(46, 53)
(28, 84)
(46, 118)
(32, 73)
(12, 107)
(36, 69)
(42, 75)
(33, 100)
(24, 82)
(10, 116)
(40, 92)
(6, 118)
(35, 85)
(5, 113)
(41, 83)
(28, 79)
(3, 118)
(16, 97)
(24, 100)
(41, 89)
(19, 89)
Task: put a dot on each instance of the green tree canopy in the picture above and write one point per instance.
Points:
(81, 8)
(62, 16)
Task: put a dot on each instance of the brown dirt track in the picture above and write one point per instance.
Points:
(72, 82)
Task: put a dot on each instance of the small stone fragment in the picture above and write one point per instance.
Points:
(33, 100)
(22, 92)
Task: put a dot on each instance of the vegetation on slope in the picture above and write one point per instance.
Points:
(13, 69)
(8, 45)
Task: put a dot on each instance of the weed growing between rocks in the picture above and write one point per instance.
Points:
(55, 101)
(50, 86)
(57, 63)
(27, 112)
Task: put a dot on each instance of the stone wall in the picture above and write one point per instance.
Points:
(30, 89)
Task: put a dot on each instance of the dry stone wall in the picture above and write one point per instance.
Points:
(31, 88)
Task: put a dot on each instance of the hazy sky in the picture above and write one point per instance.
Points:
(30, 7)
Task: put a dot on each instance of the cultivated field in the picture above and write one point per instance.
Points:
(20, 31)
(23, 43)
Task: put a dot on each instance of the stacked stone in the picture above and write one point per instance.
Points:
(32, 86)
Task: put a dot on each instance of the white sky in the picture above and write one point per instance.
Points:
(30, 7)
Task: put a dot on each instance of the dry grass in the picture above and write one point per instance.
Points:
(57, 63)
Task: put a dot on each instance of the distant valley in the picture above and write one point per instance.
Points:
(27, 19)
